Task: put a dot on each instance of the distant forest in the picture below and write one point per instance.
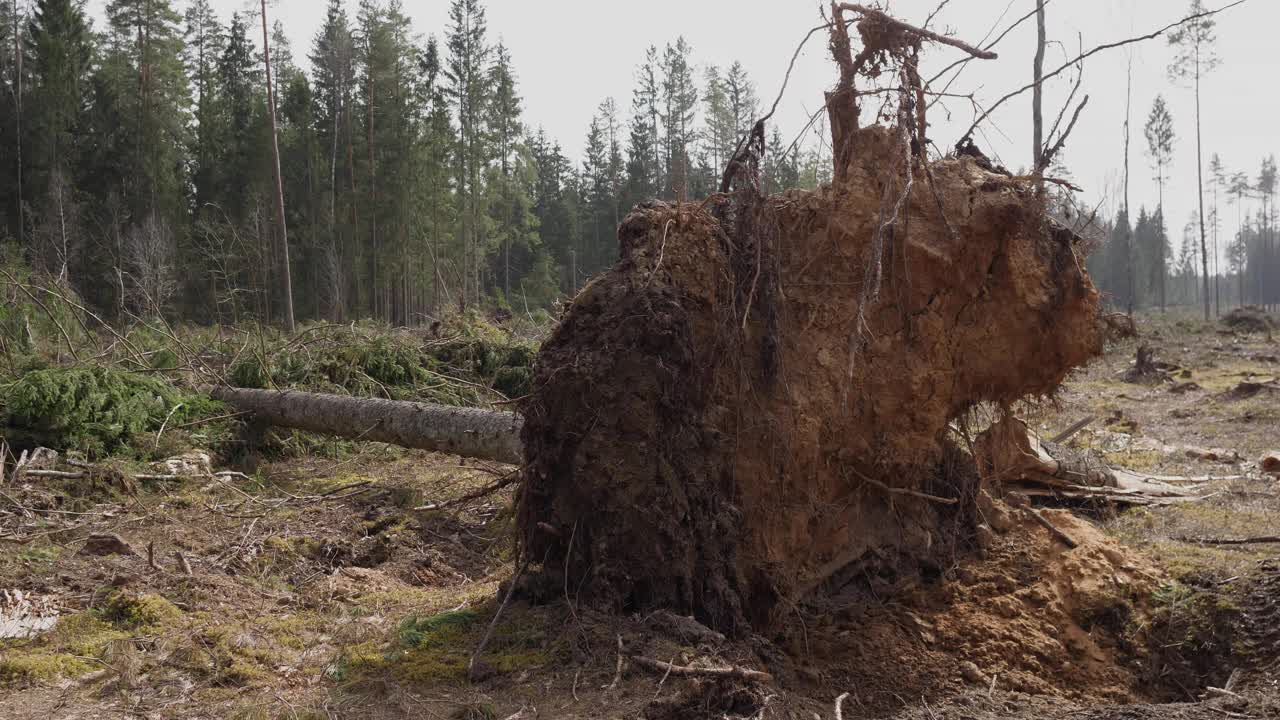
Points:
(1152, 262)
(139, 171)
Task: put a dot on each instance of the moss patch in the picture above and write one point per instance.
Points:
(437, 648)
(140, 613)
(69, 650)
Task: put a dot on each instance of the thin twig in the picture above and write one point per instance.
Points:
(164, 424)
(617, 673)
(488, 633)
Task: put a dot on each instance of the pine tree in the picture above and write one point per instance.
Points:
(1160, 138)
(596, 191)
(502, 120)
(468, 55)
(718, 140)
(644, 164)
(58, 57)
(205, 43)
(744, 105)
(1218, 180)
(679, 109)
(436, 198)
(781, 171)
(1195, 58)
(1266, 188)
(332, 72)
(146, 51)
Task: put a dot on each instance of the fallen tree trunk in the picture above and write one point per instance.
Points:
(480, 434)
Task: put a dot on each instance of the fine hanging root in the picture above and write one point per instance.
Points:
(753, 230)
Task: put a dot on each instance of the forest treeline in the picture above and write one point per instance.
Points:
(1149, 262)
(138, 166)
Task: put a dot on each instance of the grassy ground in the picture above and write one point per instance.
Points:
(322, 588)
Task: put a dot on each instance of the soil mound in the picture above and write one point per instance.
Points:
(1249, 319)
(1033, 616)
(730, 417)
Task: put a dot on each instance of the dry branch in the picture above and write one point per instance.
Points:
(1085, 55)
(1053, 529)
(921, 33)
(1265, 540)
(685, 671)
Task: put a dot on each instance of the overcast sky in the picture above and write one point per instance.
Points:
(570, 54)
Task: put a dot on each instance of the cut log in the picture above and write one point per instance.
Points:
(480, 434)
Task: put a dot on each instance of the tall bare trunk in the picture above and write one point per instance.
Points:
(1129, 249)
(1204, 245)
(17, 58)
(1037, 92)
(275, 154)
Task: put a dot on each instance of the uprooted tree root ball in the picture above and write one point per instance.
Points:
(721, 429)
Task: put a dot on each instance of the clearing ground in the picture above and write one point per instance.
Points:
(348, 585)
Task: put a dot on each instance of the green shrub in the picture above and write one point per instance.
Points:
(94, 410)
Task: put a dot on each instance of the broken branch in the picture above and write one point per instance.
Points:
(879, 16)
(1266, 540)
(1053, 529)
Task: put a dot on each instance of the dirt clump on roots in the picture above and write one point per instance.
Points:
(1033, 617)
(720, 426)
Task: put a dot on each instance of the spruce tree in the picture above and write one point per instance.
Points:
(679, 111)
(468, 56)
(58, 57)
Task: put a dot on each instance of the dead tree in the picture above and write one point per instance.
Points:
(279, 189)
(480, 434)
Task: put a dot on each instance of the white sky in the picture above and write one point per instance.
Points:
(570, 54)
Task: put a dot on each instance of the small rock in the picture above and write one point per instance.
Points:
(970, 672)
(188, 465)
(685, 628)
(985, 537)
(1270, 463)
(106, 544)
(996, 514)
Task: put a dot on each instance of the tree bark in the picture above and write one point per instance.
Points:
(1037, 93)
(1204, 249)
(17, 99)
(480, 434)
(275, 153)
